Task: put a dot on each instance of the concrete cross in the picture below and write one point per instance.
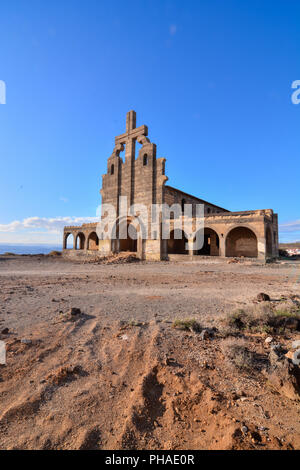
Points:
(130, 136)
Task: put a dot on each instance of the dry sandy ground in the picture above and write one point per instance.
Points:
(118, 376)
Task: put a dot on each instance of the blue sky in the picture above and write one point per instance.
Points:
(211, 79)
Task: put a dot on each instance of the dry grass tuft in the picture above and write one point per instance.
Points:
(238, 355)
(187, 325)
(262, 318)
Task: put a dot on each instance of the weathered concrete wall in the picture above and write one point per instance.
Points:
(175, 196)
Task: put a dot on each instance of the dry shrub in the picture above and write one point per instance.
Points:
(189, 324)
(237, 354)
(262, 318)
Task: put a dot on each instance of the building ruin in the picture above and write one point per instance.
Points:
(142, 179)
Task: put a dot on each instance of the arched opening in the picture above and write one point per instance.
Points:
(211, 244)
(145, 159)
(69, 241)
(269, 247)
(130, 242)
(80, 240)
(241, 241)
(112, 169)
(177, 243)
(93, 241)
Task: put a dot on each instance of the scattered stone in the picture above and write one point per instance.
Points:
(168, 361)
(283, 375)
(255, 437)
(244, 399)
(75, 311)
(5, 331)
(207, 333)
(268, 340)
(204, 335)
(263, 297)
(262, 428)
(26, 341)
(296, 344)
(276, 353)
(244, 429)
(296, 358)
(289, 355)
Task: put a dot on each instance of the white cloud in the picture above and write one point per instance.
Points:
(293, 226)
(41, 229)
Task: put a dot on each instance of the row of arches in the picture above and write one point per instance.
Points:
(79, 241)
(239, 242)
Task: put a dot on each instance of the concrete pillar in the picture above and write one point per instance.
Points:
(105, 247)
(261, 248)
(85, 242)
(191, 246)
(222, 249)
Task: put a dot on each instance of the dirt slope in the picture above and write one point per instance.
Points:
(80, 385)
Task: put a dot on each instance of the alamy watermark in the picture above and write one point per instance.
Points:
(157, 221)
(296, 94)
(2, 92)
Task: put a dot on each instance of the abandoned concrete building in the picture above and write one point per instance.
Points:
(249, 234)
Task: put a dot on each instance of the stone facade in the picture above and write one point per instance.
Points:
(142, 180)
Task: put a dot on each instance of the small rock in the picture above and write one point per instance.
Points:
(289, 354)
(204, 335)
(276, 354)
(244, 429)
(207, 333)
(5, 331)
(26, 341)
(263, 297)
(296, 344)
(296, 358)
(276, 347)
(168, 361)
(268, 340)
(284, 376)
(255, 437)
(262, 428)
(244, 399)
(75, 311)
